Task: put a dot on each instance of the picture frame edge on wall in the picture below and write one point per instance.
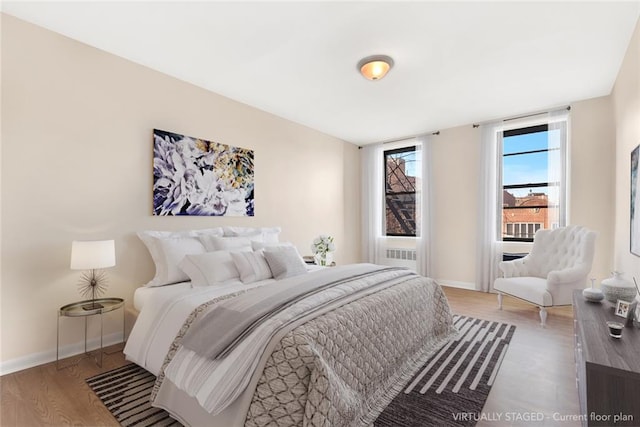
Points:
(634, 205)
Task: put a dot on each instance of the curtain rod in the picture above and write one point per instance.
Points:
(403, 139)
(508, 119)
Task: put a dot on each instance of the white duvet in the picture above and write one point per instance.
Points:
(163, 315)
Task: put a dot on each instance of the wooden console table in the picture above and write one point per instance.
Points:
(607, 369)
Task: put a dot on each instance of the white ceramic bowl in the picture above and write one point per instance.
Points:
(593, 294)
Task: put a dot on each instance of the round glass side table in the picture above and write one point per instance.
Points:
(87, 308)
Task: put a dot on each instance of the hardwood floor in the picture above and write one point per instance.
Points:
(44, 396)
(537, 374)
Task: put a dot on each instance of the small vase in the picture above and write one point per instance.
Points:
(616, 287)
(593, 294)
(323, 259)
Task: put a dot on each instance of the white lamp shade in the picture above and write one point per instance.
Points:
(90, 255)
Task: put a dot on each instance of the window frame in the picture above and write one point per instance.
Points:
(385, 154)
(561, 185)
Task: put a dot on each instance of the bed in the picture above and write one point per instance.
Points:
(323, 347)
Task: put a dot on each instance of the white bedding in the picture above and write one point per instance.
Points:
(163, 311)
(144, 293)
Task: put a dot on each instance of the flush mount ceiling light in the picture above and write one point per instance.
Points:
(375, 67)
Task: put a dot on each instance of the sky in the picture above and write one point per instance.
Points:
(530, 168)
(410, 162)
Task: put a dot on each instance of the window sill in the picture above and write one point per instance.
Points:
(516, 247)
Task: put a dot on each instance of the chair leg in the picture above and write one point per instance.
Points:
(543, 316)
(500, 300)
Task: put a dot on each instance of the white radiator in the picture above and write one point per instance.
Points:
(401, 254)
(401, 257)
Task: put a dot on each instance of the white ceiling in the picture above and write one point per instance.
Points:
(455, 63)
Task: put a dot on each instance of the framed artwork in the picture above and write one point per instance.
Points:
(635, 203)
(622, 308)
(194, 176)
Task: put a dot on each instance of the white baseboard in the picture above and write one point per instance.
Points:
(455, 284)
(36, 359)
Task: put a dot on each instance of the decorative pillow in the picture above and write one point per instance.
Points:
(269, 234)
(210, 268)
(252, 266)
(175, 249)
(217, 243)
(284, 261)
(257, 245)
(153, 239)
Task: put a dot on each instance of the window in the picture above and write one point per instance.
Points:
(400, 191)
(522, 230)
(532, 180)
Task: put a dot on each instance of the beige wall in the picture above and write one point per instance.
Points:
(456, 164)
(626, 107)
(592, 169)
(77, 164)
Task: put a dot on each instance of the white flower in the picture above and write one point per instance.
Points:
(323, 244)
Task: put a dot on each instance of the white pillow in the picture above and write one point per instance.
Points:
(210, 268)
(252, 266)
(269, 234)
(217, 243)
(175, 249)
(284, 261)
(240, 231)
(153, 239)
(257, 245)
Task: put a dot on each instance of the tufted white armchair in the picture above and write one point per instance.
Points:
(559, 262)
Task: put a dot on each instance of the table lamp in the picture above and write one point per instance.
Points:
(92, 256)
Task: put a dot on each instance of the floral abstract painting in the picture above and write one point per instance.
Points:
(193, 176)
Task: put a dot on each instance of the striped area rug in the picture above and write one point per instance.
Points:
(449, 390)
(452, 387)
(125, 392)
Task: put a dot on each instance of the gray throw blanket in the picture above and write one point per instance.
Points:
(224, 326)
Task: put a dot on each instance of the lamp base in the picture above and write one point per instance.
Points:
(92, 306)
